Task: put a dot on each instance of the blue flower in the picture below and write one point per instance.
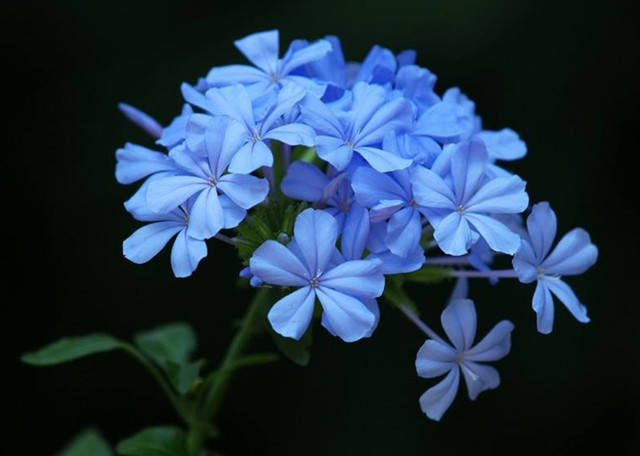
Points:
(175, 133)
(437, 357)
(254, 151)
(262, 49)
(309, 263)
(148, 241)
(360, 130)
(462, 214)
(137, 162)
(573, 255)
(202, 175)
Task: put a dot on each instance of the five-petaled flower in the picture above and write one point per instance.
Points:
(573, 255)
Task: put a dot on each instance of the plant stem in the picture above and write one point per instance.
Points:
(406, 310)
(494, 273)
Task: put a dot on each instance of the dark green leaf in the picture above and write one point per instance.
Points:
(429, 275)
(155, 441)
(87, 443)
(395, 294)
(70, 348)
(173, 342)
(183, 376)
(298, 351)
(254, 360)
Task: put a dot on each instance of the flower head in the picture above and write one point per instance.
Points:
(535, 261)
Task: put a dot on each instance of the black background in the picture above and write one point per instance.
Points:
(562, 74)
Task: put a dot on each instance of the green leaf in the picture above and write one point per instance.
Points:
(298, 351)
(172, 342)
(88, 443)
(395, 294)
(70, 348)
(183, 376)
(254, 360)
(429, 275)
(155, 441)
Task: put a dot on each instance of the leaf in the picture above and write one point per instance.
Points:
(71, 348)
(155, 441)
(254, 360)
(295, 350)
(183, 376)
(171, 346)
(88, 443)
(395, 294)
(172, 342)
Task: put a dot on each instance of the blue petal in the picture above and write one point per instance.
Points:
(468, 164)
(293, 134)
(385, 209)
(315, 233)
(453, 235)
(394, 264)
(443, 121)
(417, 85)
(371, 187)
(276, 264)
(286, 99)
(541, 225)
(222, 140)
(573, 255)
(233, 101)
(261, 49)
(190, 162)
(137, 205)
(234, 74)
(502, 195)
(206, 217)
(394, 115)
(355, 233)
(243, 189)
(233, 214)
(525, 263)
(196, 98)
(568, 298)
(504, 144)
(460, 289)
(168, 193)
(291, 315)
(361, 278)
(377, 58)
(381, 160)
(146, 242)
(136, 162)
(186, 254)
(304, 181)
(479, 378)
(435, 359)
(334, 151)
(250, 157)
(430, 190)
(316, 114)
(494, 346)
(305, 55)
(175, 132)
(331, 67)
(404, 231)
(141, 119)
(437, 399)
(367, 101)
(542, 304)
(496, 234)
(347, 317)
(459, 322)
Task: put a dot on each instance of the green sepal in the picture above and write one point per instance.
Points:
(87, 443)
(155, 441)
(297, 351)
(428, 275)
(71, 348)
(306, 154)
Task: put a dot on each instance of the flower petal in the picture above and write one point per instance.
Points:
(454, 235)
(206, 217)
(250, 157)
(315, 232)
(304, 181)
(334, 151)
(573, 255)
(307, 54)
(371, 187)
(355, 232)
(381, 160)
(276, 264)
(542, 304)
(404, 231)
(233, 101)
(293, 134)
(496, 234)
(459, 322)
(502, 195)
(430, 190)
(233, 214)
(468, 164)
(136, 162)
(261, 49)
(494, 346)
(568, 298)
(291, 315)
(234, 74)
(541, 225)
(186, 254)
(169, 192)
(347, 316)
(524, 262)
(361, 278)
(437, 399)
(504, 144)
(146, 242)
(435, 359)
(479, 378)
(244, 189)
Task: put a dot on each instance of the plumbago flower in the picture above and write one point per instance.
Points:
(436, 357)
(339, 183)
(573, 255)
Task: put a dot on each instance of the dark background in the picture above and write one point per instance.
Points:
(559, 73)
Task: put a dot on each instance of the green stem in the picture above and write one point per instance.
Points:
(160, 379)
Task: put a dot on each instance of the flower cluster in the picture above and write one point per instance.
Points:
(388, 171)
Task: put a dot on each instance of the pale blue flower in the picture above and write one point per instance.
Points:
(136, 162)
(464, 209)
(308, 263)
(535, 261)
(437, 357)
